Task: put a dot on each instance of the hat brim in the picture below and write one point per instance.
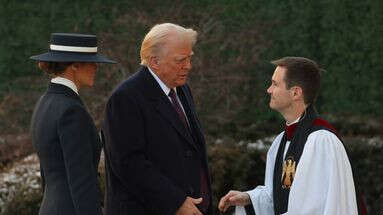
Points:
(59, 56)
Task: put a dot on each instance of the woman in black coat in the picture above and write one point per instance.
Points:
(63, 132)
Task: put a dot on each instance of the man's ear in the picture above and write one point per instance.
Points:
(297, 92)
(154, 62)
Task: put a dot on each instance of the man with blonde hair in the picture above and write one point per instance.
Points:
(155, 150)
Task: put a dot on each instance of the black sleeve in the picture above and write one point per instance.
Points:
(75, 130)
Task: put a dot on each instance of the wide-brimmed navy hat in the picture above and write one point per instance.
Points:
(66, 47)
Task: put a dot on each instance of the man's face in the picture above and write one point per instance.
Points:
(174, 64)
(280, 96)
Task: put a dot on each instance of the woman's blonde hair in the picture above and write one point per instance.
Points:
(155, 40)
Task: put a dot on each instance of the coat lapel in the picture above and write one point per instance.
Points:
(191, 114)
(163, 105)
(166, 110)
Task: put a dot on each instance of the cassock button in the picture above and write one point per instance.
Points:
(189, 153)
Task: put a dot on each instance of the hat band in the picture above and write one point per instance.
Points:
(73, 48)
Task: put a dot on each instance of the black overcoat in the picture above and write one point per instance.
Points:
(153, 162)
(68, 146)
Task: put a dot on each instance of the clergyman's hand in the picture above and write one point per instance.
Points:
(233, 198)
(189, 208)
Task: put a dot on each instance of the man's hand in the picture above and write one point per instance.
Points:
(189, 208)
(233, 198)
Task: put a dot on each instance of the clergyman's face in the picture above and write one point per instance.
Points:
(280, 96)
(175, 63)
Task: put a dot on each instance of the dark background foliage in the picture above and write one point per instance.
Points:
(231, 70)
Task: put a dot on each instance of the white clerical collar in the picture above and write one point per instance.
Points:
(295, 121)
(65, 82)
(163, 86)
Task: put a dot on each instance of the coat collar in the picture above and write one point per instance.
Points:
(66, 82)
(62, 89)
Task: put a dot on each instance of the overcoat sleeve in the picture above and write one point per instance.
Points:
(74, 130)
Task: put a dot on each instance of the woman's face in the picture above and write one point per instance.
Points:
(85, 74)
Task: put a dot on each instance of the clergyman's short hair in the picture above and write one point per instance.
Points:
(304, 73)
(156, 39)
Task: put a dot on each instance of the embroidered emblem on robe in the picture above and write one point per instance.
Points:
(288, 173)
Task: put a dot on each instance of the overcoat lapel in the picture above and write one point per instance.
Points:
(191, 114)
(165, 109)
(163, 105)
